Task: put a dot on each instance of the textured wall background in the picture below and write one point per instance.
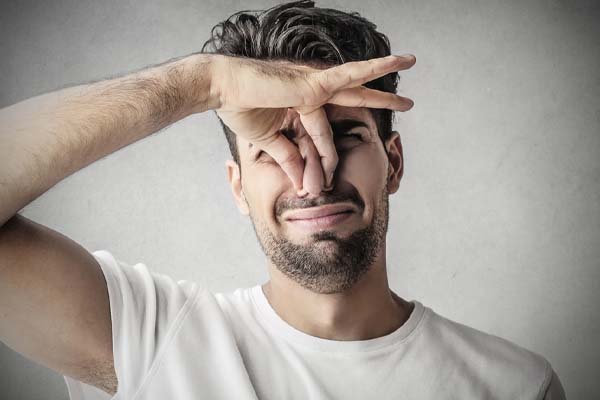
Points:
(497, 220)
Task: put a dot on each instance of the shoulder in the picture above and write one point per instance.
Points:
(497, 363)
(235, 303)
(240, 310)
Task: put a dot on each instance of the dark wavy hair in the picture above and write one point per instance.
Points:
(300, 32)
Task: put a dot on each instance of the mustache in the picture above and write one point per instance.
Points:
(295, 203)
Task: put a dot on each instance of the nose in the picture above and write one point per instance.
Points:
(303, 193)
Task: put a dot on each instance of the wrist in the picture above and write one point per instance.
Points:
(202, 91)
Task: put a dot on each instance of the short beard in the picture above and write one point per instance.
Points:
(321, 270)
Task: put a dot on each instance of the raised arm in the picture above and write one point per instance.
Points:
(54, 305)
(48, 137)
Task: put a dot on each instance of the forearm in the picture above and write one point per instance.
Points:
(48, 137)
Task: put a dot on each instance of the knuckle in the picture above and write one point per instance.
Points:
(349, 79)
(332, 160)
(265, 141)
(318, 90)
(362, 101)
(317, 136)
(291, 158)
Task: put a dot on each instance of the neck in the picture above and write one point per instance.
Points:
(367, 310)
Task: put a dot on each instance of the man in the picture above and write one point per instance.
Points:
(315, 159)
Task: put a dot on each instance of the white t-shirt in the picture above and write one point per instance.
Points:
(178, 341)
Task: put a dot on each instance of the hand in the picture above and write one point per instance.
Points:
(253, 97)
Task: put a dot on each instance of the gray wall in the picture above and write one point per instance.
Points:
(497, 220)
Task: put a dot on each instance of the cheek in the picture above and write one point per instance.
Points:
(365, 167)
(264, 183)
(270, 182)
(264, 175)
(366, 170)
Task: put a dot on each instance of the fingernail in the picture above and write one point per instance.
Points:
(407, 56)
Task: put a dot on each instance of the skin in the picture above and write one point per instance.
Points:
(355, 305)
(51, 287)
(253, 98)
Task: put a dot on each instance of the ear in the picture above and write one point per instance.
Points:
(233, 176)
(393, 147)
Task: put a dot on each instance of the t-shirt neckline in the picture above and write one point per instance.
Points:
(281, 328)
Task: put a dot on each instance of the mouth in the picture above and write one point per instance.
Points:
(318, 223)
(325, 211)
(320, 217)
(324, 217)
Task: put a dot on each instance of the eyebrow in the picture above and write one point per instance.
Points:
(338, 127)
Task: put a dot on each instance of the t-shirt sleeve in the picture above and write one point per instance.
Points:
(144, 308)
(555, 390)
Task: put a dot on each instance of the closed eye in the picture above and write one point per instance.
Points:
(356, 135)
(348, 136)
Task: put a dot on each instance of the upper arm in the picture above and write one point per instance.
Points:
(54, 303)
(555, 390)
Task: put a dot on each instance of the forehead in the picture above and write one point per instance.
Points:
(334, 113)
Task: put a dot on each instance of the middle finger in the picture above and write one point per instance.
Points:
(365, 97)
(313, 178)
(318, 127)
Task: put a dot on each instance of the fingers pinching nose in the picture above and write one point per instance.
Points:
(302, 192)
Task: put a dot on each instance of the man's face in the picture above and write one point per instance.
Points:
(327, 259)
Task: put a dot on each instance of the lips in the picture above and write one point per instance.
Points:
(317, 212)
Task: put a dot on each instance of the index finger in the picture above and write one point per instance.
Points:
(287, 155)
(318, 127)
(356, 73)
